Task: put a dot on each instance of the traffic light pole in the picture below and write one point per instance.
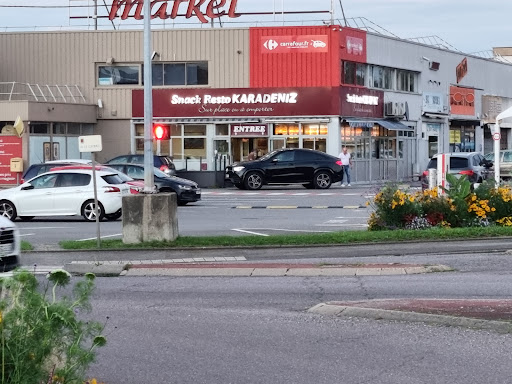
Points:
(149, 181)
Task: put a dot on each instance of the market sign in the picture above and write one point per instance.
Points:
(294, 44)
(169, 9)
(462, 70)
(239, 102)
(361, 102)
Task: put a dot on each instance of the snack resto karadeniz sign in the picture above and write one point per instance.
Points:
(170, 9)
(233, 102)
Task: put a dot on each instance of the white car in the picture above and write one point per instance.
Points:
(65, 193)
(9, 245)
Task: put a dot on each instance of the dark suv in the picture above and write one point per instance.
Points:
(308, 167)
(164, 163)
(471, 164)
(37, 169)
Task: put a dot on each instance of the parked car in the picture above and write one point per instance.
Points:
(505, 157)
(37, 169)
(136, 186)
(65, 193)
(471, 164)
(10, 248)
(163, 163)
(313, 169)
(187, 191)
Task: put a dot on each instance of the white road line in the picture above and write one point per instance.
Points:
(103, 237)
(341, 225)
(34, 228)
(250, 232)
(27, 234)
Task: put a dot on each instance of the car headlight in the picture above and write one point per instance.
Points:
(238, 168)
(185, 187)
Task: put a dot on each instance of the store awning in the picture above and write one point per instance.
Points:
(392, 125)
(211, 120)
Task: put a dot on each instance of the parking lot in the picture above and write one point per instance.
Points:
(233, 212)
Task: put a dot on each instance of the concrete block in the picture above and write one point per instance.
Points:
(150, 217)
(97, 269)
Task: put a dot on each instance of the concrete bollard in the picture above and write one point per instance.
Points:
(150, 217)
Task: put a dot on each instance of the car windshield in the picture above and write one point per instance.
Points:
(268, 155)
(455, 163)
(124, 177)
(159, 173)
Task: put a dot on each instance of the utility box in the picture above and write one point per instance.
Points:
(16, 164)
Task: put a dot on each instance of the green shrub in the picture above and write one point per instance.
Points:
(42, 340)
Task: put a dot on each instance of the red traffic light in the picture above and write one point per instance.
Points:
(161, 132)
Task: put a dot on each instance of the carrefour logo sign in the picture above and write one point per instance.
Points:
(290, 44)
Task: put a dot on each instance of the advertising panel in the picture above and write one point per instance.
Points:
(462, 101)
(239, 102)
(10, 147)
(295, 44)
(362, 102)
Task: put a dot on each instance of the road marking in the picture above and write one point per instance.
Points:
(35, 228)
(250, 232)
(299, 207)
(27, 234)
(94, 238)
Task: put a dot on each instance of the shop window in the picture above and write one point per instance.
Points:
(172, 74)
(287, 129)
(40, 128)
(406, 81)
(195, 130)
(59, 128)
(194, 148)
(175, 130)
(87, 129)
(314, 129)
(118, 74)
(354, 73)
(381, 77)
(222, 130)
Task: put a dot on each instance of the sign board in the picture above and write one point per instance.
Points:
(289, 44)
(461, 70)
(91, 143)
(496, 136)
(10, 147)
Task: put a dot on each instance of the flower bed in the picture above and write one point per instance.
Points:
(456, 207)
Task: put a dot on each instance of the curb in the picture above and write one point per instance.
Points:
(193, 269)
(299, 207)
(385, 314)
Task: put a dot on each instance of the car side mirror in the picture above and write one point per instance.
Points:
(27, 187)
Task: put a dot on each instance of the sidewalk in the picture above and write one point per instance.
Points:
(485, 314)
(244, 269)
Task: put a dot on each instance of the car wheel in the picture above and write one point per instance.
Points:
(309, 185)
(89, 211)
(26, 218)
(239, 186)
(323, 180)
(253, 181)
(113, 216)
(8, 210)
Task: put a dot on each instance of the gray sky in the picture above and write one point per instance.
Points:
(467, 25)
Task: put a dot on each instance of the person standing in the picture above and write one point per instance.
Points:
(346, 162)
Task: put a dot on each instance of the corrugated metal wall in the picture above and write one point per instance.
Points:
(295, 69)
(72, 58)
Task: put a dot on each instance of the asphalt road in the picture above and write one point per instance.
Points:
(233, 212)
(257, 330)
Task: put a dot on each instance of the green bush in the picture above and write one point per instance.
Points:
(42, 340)
(458, 206)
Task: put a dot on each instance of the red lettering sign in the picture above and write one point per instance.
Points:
(462, 101)
(202, 9)
(293, 44)
(461, 70)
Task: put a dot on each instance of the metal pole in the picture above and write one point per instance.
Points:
(95, 15)
(96, 210)
(149, 181)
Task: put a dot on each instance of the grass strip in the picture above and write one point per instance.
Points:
(26, 246)
(332, 238)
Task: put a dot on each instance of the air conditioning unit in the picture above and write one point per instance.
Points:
(394, 108)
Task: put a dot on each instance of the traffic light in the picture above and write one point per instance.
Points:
(161, 132)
